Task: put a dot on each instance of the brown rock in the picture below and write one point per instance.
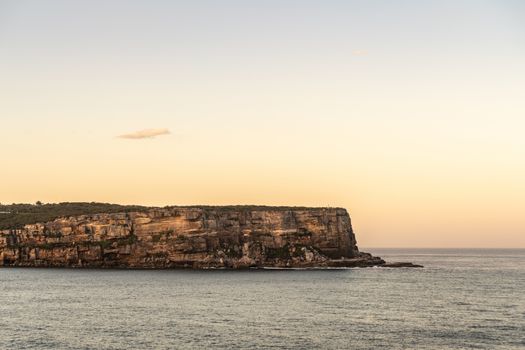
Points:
(195, 237)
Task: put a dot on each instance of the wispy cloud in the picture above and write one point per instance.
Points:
(360, 52)
(145, 134)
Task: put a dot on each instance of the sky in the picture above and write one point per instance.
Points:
(410, 114)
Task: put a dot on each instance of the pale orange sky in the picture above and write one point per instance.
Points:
(411, 117)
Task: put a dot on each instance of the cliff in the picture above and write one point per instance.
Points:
(196, 237)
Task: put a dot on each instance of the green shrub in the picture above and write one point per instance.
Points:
(279, 253)
(105, 244)
(17, 215)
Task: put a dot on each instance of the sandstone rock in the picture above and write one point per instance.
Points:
(401, 264)
(194, 237)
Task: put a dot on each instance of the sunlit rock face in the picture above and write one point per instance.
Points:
(193, 237)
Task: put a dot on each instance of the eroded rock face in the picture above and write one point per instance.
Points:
(208, 237)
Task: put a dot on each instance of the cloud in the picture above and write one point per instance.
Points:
(360, 52)
(145, 134)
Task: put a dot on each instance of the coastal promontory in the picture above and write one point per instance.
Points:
(186, 237)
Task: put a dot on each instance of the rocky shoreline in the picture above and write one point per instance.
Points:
(191, 237)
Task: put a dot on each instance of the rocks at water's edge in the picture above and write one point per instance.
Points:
(192, 237)
(401, 264)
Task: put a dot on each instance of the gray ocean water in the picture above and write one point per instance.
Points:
(462, 299)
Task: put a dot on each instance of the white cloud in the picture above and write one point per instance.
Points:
(145, 134)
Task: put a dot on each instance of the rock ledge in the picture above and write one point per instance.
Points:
(191, 237)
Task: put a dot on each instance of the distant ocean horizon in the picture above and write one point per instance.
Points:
(464, 298)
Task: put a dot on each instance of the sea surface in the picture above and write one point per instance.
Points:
(462, 299)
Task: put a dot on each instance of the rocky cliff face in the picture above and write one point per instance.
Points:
(197, 237)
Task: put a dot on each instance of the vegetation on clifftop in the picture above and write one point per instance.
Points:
(18, 215)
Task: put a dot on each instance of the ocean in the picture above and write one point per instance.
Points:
(461, 299)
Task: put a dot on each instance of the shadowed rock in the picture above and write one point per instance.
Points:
(191, 237)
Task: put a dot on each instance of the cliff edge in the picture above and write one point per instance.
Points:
(194, 237)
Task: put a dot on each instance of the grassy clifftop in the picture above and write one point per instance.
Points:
(18, 215)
